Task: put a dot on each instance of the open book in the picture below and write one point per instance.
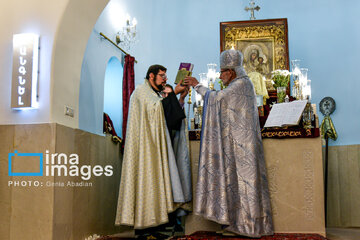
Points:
(286, 114)
(185, 70)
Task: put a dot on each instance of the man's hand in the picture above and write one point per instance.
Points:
(179, 88)
(190, 81)
(183, 95)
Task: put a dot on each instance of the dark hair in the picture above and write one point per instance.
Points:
(155, 70)
(168, 85)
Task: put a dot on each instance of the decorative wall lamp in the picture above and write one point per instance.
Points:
(25, 71)
(128, 34)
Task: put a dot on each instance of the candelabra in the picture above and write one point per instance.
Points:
(203, 79)
(301, 90)
(198, 110)
(308, 116)
(208, 80)
(295, 64)
(199, 102)
(211, 75)
(303, 82)
(128, 34)
(189, 101)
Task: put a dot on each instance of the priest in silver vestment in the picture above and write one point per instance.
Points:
(232, 186)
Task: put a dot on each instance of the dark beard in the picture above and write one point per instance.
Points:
(160, 87)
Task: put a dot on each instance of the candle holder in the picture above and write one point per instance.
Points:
(203, 79)
(303, 82)
(295, 91)
(200, 112)
(308, 116)
(211, 75)
(189, 101)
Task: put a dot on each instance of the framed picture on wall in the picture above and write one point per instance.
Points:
(264, 44)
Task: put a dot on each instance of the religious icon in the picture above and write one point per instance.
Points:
(264, 44)
(258, 56)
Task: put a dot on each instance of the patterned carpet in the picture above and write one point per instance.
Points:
(217, 236)
(277, 236)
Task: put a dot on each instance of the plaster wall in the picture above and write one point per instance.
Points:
(322, 34)
(22, 16)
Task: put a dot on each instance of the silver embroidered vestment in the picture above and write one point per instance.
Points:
(232, 187)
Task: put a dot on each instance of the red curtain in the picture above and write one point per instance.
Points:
(128, 88)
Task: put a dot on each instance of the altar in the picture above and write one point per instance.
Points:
(295, 175)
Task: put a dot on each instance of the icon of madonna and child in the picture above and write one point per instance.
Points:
(258, 63)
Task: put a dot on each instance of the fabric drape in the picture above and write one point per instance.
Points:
(128, 88)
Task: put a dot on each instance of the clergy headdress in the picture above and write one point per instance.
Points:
(232, 59)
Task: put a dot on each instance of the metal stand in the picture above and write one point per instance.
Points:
(326, 177)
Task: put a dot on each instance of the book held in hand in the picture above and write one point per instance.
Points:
(185, 70)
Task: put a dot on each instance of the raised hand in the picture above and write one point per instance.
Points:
(190, 81)
(183, 95)
(180, 87)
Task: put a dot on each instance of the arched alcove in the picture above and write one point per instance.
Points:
(113, 93)
(70, 44)
(95, 62)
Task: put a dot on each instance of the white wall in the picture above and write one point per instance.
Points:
(98, 52)
(323, 34)
(24, 16)
(64, 27)
(71, 40)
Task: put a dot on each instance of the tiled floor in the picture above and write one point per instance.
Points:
(343, 233)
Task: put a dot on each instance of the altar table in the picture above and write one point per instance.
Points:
(295, 175)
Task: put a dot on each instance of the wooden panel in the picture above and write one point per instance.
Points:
(343, 186)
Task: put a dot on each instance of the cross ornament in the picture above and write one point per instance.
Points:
(252, 8)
